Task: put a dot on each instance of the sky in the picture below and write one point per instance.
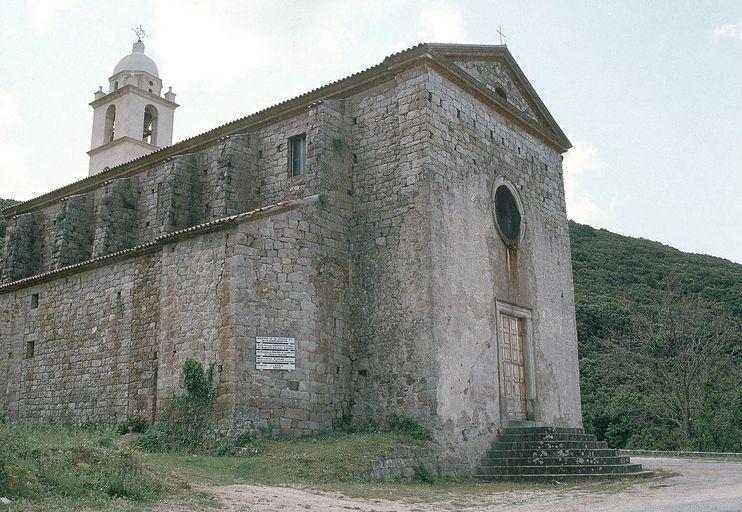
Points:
(649, 92)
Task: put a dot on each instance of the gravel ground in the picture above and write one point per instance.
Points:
(696, 485)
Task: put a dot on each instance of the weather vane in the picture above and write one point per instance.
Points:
(499, 31)
(139, 31)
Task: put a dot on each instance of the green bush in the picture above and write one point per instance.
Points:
(408, 427)
(188, 420)
(423, 474)
(132, 423)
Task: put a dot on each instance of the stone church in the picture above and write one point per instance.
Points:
(392, 243)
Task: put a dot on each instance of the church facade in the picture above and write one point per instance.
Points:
(393, 243)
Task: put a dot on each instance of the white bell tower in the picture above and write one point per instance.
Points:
(132, 119)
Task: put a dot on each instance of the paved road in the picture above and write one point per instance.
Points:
(696, 486)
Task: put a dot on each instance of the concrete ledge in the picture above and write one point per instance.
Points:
(659, 453)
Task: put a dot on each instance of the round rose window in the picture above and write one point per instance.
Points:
(507, 214)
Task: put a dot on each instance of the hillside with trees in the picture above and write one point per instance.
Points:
(659, 343)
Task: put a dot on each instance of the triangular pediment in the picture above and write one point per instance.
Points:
(493, 68)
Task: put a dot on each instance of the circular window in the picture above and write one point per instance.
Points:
(507, 214)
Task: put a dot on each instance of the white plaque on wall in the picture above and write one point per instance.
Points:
(275, 353)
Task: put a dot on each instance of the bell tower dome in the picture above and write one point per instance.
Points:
(132, 119)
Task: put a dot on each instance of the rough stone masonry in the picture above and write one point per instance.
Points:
(391, 260)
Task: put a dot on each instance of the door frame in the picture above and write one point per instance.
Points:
(524, 314)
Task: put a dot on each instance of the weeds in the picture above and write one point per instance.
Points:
(187, 421)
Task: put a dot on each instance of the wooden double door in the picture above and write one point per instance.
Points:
(513, 365)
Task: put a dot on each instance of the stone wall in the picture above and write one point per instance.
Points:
(394, 371)
(472, 147)
(204, 297)
(69, 346)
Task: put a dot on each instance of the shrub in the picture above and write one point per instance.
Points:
(132, 423)
(423, 474)
(408, 427)
(187, 421)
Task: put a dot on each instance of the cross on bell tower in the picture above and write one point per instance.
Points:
(132, 119)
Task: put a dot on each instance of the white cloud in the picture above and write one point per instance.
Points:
(731, 31)
(333, 36)
(435, 23)
(15, 180)
(581, 159)
(208, 48)
(441, 23)
(44, 14)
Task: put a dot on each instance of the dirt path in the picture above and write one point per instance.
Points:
(707, 486)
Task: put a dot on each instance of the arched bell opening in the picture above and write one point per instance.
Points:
(149, 131)
(110, 126)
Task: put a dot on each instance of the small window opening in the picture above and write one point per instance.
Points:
(503, 141)
(150, 90)
(34, 301)
(116, 85)
(546, 167)
(519, 150)
(458, 114)
(260, 153)
(150, 82)
(430, 96)
(110, 125)
(297, 155)
(30, 349)
(355, 120)
(492, 135)
(501, 93)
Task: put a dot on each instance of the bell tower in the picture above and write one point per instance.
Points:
(132, 119)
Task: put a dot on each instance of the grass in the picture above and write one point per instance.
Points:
(305, 460)
(53, 468)
(57, 468)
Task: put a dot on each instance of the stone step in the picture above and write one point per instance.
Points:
(542, 430)
(561, 478)
(553, 461)
(521, 438)
(530, 454)
(581, 469)
(550, 445)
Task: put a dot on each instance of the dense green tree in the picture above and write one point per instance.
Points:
(620, 289)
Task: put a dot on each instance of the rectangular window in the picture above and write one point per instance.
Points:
(29, 349)
(297, 155)
(34, 301)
